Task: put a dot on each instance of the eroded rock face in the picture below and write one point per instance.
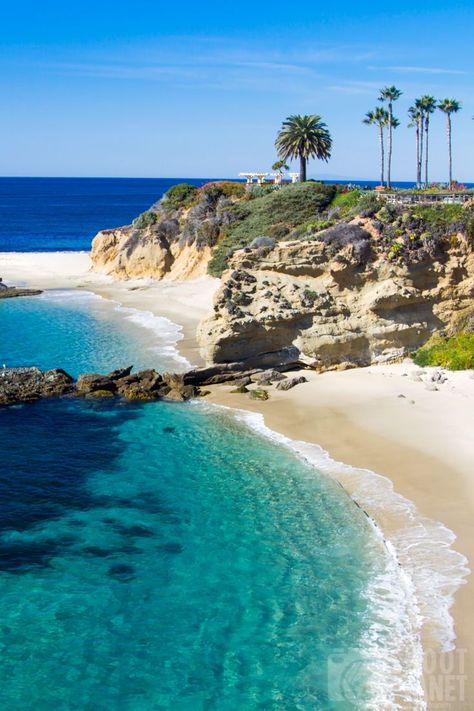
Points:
(338, 301)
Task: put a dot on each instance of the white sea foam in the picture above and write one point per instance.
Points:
(421, 574)
(168, 334)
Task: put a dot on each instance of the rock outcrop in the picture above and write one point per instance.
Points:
(29, 384)
(11, 292)
(339, 300)
(173, 240)
(128, 252)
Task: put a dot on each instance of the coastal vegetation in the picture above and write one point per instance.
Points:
(454, 353)
(225, 216)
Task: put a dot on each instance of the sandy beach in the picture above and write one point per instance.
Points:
(387, 419)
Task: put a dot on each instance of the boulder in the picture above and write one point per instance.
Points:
(291, 382)
(258, 395)
(28, 384)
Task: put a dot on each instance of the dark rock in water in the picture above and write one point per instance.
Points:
(185, 392)
(28, 384)
(91, 382)
(122, 573)
(10, 292)
(168, 430)
(291, 382)
(144, 385)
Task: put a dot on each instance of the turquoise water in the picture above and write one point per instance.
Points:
(81, 332)
(166, 556)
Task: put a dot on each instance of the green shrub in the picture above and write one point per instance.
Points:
(146, 219)
(345, 202)
(291, 206)
(256, 191)
(274, 214)
(440, 214)
(455, 353)
(310, 295)
(181, 195)
(223, 188)
(368, 204)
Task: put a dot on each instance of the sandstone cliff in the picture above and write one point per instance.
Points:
(127, 253)
(172, 240)
(341, 299)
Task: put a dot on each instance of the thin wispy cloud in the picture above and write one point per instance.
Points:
(420, 70)
(355, 87)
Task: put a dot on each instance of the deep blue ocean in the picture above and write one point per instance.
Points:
(167, 556)
(62, 214)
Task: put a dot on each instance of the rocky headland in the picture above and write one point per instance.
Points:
(337, 278)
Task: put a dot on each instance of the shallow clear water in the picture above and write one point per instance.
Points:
(81, 332)
(165, 556)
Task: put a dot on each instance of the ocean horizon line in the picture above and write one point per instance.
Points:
(236, 179)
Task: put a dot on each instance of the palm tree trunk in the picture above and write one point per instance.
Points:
(450, 153)
(427, 125)
(382, 156)
(390, 136)
(417, 136)
(302, 169)
(420, 155)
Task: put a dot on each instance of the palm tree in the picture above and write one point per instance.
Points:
(379, 117)
(428, 106)
(448, 107)
(280, 166)
(421, 124)
(416, 116)
(390, 94)
(304, 137)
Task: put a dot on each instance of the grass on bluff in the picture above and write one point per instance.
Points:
(273, 214)
(455, 353)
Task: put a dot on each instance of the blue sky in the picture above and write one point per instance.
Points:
(200, 88)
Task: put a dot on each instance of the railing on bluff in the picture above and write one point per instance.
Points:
(416, 198)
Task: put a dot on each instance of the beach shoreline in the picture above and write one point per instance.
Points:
(379, 419)
(185, 303)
